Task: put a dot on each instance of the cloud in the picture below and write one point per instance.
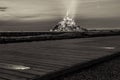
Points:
(3, 9)
(51, 9)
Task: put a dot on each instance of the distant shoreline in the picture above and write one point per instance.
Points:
(13, 37)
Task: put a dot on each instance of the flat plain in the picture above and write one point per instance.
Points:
(47, 59)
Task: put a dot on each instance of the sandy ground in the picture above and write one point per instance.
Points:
(50, 56)
(109, 70)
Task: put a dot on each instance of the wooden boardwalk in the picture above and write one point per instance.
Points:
(46, 59)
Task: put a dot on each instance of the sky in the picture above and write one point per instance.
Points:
(42, 14)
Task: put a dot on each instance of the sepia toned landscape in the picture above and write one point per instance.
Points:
(59, 40)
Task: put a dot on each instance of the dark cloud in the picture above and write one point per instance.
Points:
(3, 8)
